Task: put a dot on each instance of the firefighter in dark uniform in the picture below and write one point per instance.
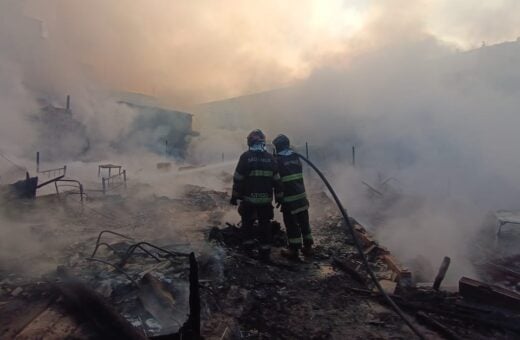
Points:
(295, 206)
(256, 177)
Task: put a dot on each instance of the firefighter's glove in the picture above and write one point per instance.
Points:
(233, 201)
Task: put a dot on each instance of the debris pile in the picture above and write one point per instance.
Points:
(136, 279)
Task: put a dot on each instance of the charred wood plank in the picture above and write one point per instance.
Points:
(442, 272)
(436, 326)
(194, 319)
(17, 315)
(350, 269)
(402, 275)
(449, 311)
(486, 294)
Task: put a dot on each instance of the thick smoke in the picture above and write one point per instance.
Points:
(439, 121)
(388, 77)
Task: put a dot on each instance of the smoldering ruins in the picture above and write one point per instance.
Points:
(121, 125)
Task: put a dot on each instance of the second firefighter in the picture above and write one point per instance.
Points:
(295, 206)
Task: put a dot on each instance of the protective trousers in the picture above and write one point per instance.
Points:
(298, 229)
(264, 214)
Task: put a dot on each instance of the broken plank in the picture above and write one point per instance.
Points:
(402, 275)
(17, 314)
(437, 326)
(487, 294)
(350, 269)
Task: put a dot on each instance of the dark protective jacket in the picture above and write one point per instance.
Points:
(255, 178)
(294, 198)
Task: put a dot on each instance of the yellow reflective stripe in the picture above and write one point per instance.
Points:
(238, 177)
(292, 177)
(307, 237)
(295, 240)
(261, 173)
(258, 200)
(299, 210)
(294, 197)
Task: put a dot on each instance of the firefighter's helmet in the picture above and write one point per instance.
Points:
(255, 137)
(281, 142)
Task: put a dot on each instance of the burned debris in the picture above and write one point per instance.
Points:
(133, 280)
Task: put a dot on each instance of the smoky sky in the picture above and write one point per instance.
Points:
(190, 52)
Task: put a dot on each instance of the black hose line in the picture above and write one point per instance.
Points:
(360, 249)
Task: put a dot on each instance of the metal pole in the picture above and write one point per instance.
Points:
(166, 147)
(124, 177)
(81, 192)
(64, 170)
(104, 185)
(37, 161)
(353, 155)
(68, 102)
(307, 150)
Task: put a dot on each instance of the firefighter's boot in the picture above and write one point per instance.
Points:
(308, 250)
(291, 253)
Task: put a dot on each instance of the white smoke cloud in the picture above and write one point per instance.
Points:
(442, 121)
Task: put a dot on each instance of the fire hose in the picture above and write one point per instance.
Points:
(359, 248)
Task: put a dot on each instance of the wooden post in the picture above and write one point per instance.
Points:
(194, 299)
(442, 272)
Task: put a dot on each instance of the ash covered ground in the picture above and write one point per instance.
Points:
(53, 240)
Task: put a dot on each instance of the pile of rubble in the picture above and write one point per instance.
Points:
(141, 279)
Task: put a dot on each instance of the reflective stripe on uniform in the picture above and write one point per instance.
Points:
(299, 210)
(307, 237)
(292, 177)
(238, 177)
(261, 173)
(294, 197)
(295, 240)
(258, 200)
